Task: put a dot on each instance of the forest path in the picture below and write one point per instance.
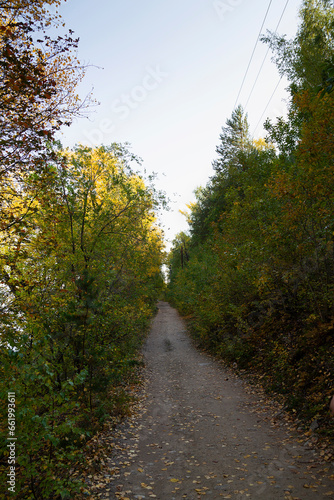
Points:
(201, 433)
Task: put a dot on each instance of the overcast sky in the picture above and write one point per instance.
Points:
(167, 74)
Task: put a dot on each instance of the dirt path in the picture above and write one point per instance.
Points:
(200, 433)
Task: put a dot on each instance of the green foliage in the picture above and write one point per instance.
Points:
(80, 286)
(80, 257)
(234, 142)
(304, 60)
(258, 286)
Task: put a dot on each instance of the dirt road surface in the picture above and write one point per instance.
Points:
(200, 433)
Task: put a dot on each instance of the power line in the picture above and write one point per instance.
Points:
(265, 109)
(265, 57)
(251, 92)
(258, 37)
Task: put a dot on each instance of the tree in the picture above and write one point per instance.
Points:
(213, 200)
(81, 286)
(80, 257)
(234, 142)
(259, 283)
(37, 97)
(306, 60)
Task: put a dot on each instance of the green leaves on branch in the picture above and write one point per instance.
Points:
(259, 282)
(80, 285)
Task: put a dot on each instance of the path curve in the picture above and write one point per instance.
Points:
(199, 434)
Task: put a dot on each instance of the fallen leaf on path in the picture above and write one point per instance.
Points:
(146, 486)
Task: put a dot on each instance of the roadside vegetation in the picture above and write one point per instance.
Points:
(81, 251)
(255, 271)
(80, 259)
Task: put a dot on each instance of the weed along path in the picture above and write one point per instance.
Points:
(200, 432)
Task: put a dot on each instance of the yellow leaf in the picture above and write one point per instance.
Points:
(146, 486)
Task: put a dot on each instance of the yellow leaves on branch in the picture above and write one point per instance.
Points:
(261, 145)
(34, 9)
(113, 207)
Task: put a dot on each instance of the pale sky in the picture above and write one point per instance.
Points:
(167, 74)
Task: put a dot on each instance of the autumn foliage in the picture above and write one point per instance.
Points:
(81, 282)
(80, 257)
(259, 281)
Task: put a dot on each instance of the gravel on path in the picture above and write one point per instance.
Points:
(200, 433)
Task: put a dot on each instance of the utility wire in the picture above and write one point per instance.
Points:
(251, 92)
(265, 109)
(258, 37)
(265, 57)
